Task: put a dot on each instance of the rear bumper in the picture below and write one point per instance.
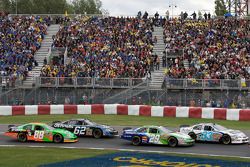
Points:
(11, 134)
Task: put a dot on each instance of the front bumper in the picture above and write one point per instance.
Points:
(111, 133)
(240, 140)
(73, 140)
(186, 142)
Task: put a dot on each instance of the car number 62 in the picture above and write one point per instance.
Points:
(79, 130)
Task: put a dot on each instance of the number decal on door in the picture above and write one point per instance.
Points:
(39, 134)
(80, 130)
(154, 139)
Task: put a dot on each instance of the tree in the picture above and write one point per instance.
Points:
(51, 6)
(220, 8)
(87, 6)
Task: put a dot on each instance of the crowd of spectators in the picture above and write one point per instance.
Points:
(20, 38)
(213, 48)
(104, 47)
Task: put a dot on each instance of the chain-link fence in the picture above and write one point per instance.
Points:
(197, 98)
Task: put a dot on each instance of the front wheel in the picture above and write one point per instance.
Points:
(58, 138)
(97, 133)
(136, 141)
(22, 137)
(226, 139)
(172, 142)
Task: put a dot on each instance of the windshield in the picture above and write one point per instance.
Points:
(165, 130)
(219, 127)
(90, 122)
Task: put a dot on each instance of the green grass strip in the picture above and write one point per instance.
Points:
(124, 120)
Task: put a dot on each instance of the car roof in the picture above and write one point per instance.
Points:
(35, 123)
(150, 126)
(210, 124)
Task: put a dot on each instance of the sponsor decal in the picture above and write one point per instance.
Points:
(60, 125)
(132, 159)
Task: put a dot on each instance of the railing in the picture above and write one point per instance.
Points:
(206, 84)
(91, 82)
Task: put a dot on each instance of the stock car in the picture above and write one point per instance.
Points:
(210, 132)
(156, 135)
(85, 127)
(40, 132)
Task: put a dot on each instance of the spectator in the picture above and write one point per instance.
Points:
(194, 16)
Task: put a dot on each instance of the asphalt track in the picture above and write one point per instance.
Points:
(213, 149)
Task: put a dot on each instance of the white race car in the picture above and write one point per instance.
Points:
(214, 133)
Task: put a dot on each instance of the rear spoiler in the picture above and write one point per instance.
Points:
(183, 126)
(54, 122)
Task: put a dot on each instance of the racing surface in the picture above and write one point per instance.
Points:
(242, 150)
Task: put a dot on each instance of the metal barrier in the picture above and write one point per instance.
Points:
(91, 82)
(193, 83)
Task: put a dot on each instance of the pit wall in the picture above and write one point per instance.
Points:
(137, 110)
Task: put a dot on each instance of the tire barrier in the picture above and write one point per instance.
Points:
(137, 110)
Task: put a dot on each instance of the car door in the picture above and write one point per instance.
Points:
(154, 135)
(38, 133)
(207, 134)
(79, 128)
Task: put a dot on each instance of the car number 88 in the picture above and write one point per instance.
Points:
(79, 130)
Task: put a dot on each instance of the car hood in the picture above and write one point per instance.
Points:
(234, 132)
(180, 135)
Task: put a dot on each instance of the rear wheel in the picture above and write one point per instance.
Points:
(193, 135)
(22, 137)
(226, 139)
(136, 141)
(58, 138)
(97, 133)
(172, 142)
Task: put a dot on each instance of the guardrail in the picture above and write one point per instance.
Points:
(91, 82)
(206, 84)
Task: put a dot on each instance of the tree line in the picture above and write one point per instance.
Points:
(51, 6)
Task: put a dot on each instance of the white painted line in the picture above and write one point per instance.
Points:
(129, 150)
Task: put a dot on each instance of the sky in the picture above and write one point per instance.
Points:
(131, 7)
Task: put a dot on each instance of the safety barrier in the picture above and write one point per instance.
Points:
(137, 110)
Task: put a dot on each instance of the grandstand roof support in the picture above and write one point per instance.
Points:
(238, 7)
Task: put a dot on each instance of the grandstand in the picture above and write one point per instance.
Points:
(96, 59)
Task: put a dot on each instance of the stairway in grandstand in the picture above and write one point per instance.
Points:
(41, 54)
(159, 47)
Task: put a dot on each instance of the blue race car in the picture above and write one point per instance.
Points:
(85, 127)
(156, 135)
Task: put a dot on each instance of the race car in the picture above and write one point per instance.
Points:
(211, 132)
(85, 127)
(156, 135)
(40, 132)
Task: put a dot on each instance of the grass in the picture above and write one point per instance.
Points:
(29, 157)
(124, 120)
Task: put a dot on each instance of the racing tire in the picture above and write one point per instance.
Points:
(22, 137)
(97, 133)
(57, 138)
(193, 135)
(226, 139)
(136, 141)
(172, 141)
